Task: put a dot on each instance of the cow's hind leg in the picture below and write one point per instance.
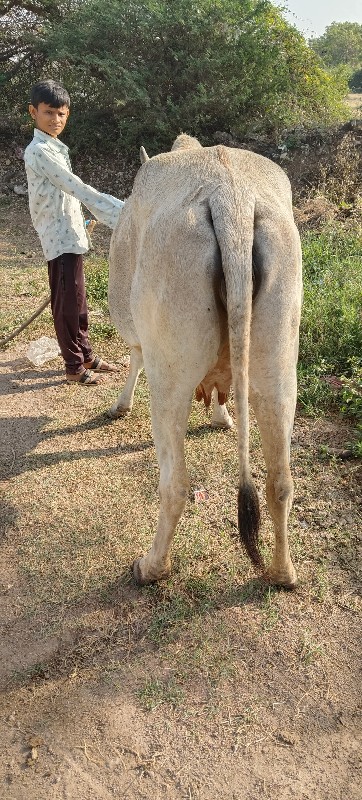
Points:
(170, 410)
(272, 375)
(220, 415)
(275, 419)
(124, 402)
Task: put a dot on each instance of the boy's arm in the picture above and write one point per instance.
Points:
(104, 207)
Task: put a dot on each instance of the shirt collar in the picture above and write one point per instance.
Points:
(40, 136)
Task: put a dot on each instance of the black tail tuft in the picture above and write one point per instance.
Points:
(249, 522)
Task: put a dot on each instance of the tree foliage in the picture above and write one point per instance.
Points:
(355, 81)
(23, 27)
(341, 43)
(143, 70)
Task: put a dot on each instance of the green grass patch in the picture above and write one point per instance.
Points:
(96, 270)
(331, 330)
(331, 335)
(156, 692)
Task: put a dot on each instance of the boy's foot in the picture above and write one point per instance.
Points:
(98, 365)
(86, 378)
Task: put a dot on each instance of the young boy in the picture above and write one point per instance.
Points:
(55, 194)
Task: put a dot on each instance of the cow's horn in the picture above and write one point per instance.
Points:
(143, 155)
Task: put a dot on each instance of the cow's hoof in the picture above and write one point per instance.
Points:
(146, 580)
(221, 418)
(137, 574)
(114, 412)
(286, 579)
(223, 425)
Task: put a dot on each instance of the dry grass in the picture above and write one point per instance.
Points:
(354, 102)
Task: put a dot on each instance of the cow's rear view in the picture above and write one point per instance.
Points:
(199, 220)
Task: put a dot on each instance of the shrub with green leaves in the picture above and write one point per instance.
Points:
(142, 72)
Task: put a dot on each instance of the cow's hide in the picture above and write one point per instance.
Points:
(205, 287)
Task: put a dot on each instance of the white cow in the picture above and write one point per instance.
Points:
(124, 403)
(205, 286)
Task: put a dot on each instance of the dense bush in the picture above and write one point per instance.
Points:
(144, 71)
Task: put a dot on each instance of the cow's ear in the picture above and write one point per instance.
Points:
(143, 155)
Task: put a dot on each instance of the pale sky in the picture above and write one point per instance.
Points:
(312, 17)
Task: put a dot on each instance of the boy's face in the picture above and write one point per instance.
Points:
(48, 119)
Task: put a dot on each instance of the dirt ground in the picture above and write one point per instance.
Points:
(212, 685)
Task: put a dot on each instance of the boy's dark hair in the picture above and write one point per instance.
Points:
(51, 93)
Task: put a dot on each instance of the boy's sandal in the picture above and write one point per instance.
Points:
(86, 378)
(98, 365)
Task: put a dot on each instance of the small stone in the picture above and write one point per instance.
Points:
(20, 190)
(286, 738)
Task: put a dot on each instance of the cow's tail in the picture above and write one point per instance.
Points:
(233, 221)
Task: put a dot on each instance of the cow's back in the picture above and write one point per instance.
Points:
(165, 247)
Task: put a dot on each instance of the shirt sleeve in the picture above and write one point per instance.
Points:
(104, 207)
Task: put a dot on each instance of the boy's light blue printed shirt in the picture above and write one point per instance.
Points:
(55, 195)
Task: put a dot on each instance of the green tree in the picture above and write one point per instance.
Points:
(355, 81)
(341, 43)
(142, 71)
(22, 53)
